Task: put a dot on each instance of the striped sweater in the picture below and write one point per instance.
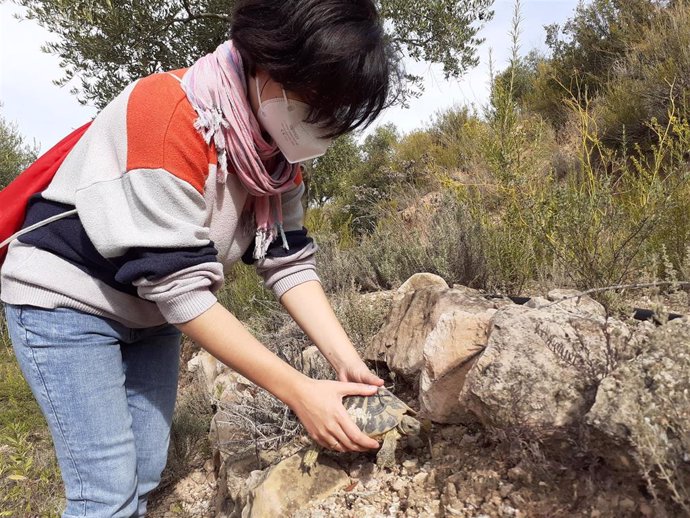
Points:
(155, 228)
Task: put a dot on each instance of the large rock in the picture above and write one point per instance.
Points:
(541, 367)
(412, 318)
(286, 487)
(420, 281)
(641, 416)
(450, 351)
(574, 301)
(207, 368)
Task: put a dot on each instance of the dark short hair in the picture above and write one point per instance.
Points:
(333, 53)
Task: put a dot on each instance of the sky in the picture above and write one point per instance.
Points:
(44, 113)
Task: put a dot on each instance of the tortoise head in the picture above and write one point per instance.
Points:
(409, 425)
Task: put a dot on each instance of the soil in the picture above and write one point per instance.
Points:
(458, 470)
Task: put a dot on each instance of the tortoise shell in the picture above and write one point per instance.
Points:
(377, 414)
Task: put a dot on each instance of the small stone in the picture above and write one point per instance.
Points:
(361, 470)
(398, 485)
(411, 463)
(451, 433)
(505, 490)
(627, 504)
(517, 474)
(595, 513)
(373, 485)
(432, 477)
(516, 499)
(646, 509)
(420, 478)
(199, 477)
(468, 439)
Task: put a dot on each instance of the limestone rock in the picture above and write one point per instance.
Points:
(412, 318)
(285, 488)
(207, 368)
(229, 386)
(422, 280)
(541, 367)
(580, 304)
(641, 415)
(450, 351)
(314, 364)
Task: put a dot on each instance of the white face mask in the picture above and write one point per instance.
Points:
(283, 119)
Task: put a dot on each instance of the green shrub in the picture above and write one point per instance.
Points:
(440, 238)
(244, 294)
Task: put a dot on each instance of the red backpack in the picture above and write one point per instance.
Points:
(34, 179)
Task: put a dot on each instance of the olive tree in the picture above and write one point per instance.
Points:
(105, 44)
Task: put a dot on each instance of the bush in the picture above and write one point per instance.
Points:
(436, 235)
(654, 70)
(15, 154)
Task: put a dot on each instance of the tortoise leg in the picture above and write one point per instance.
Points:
(385, 458)
(309, 459)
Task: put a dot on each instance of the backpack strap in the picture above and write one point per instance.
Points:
(36, 225)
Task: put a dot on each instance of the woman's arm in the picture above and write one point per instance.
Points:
(317, 403)
(309, 307)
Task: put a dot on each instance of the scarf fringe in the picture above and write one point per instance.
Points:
(264, 237)
(208, 124)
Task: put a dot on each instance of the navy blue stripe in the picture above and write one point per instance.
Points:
(297, 240)
(155, 263)
(67, 238)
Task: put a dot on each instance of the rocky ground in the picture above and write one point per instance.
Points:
(458, 470)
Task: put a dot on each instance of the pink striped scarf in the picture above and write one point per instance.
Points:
(217, 89)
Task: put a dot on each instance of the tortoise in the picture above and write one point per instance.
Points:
(381, 416)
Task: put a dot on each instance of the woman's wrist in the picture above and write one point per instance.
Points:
(340, 355)
(296, 393)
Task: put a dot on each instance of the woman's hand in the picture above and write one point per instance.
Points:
(309, 306)
(319, 406)
(358, 372)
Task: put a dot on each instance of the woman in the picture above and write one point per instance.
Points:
(180, 176)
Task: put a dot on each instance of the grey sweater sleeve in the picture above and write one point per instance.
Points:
(152, 224)
(283, 269)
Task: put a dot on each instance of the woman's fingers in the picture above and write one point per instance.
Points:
(356, 439)
(356, 436)
(328, 423)
(357, 389)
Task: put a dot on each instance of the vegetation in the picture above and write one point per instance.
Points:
(576, 174)
(15, 154)
(104, 45)
(528, 195)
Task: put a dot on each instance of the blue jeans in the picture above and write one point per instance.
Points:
(108, 394)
